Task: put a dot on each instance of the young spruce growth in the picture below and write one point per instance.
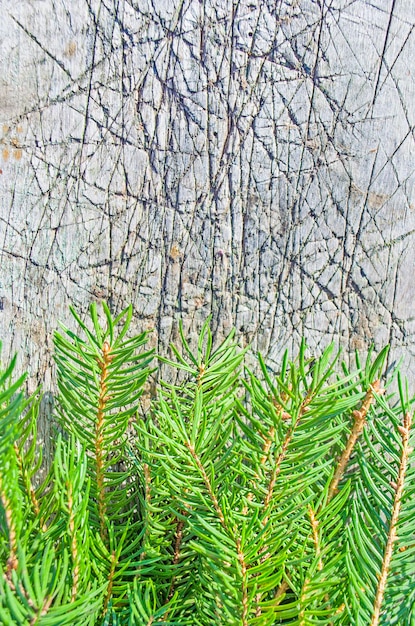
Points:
(236, 500)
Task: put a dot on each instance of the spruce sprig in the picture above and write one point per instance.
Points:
(238, 498)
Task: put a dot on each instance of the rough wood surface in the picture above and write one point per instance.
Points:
(253, 160)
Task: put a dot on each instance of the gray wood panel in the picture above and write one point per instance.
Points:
(249, 160)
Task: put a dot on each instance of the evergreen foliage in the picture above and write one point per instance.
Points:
(235, 500)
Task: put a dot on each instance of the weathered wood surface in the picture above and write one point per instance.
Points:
(253, 160)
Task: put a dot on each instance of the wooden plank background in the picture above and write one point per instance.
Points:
(252, 160)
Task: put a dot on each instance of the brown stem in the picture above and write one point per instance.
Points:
(316, 541)
(207, 483)
(180, 523)
(280, 592)
(265, 452)
(392, 535)
(202, 369)
(277, 467)
(301, 614)
(110, 583)
(358, 426)
(271, 433)
(178, 541)
(316, 538)
(244, 569)
(147, 481)
(219, 512)
(28, 484)
(258, 611)
(12, 561)
(42, 611)
(74, 545)
(99, 438)
(273, 479)
(176, 556)
(266, 447)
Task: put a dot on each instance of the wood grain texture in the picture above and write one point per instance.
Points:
(249, 160)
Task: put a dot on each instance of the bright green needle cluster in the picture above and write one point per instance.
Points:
(235, 499)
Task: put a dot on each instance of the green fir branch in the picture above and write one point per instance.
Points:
(239, 498)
